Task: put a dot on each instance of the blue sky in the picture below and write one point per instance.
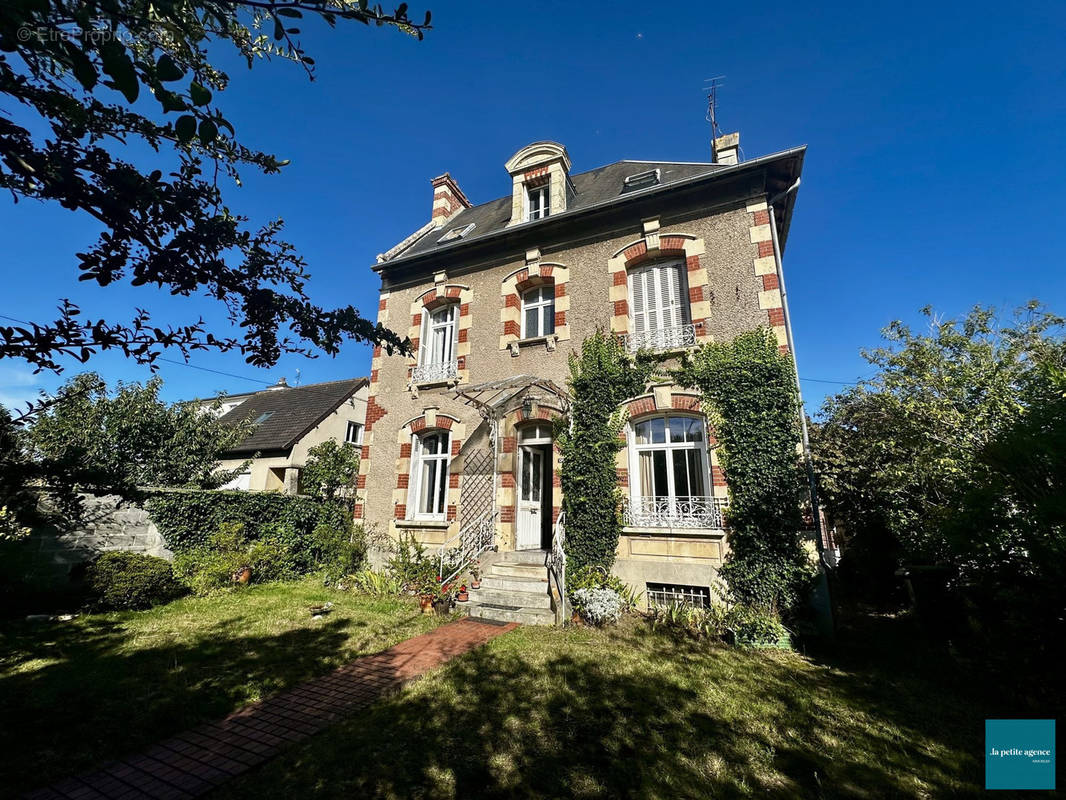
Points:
(934, 173)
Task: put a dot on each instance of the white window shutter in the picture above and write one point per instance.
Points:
(640, 311)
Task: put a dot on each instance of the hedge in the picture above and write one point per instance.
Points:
(186, 518)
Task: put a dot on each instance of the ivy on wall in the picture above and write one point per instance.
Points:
(750, 388)
(601, 378)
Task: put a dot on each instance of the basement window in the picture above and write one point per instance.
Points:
(642, 180)
(457, 233)
(664, 594)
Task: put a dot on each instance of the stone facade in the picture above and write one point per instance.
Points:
(729, 288)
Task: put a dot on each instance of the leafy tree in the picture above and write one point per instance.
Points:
(953, 452)
(601, 377)
(750, 388)
(331, 468)
(118, 441)
(94, 78)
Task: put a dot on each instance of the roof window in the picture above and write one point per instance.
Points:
(457, 233)
(264, 417)
(642, 180)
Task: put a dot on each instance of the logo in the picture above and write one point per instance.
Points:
(1019, 754)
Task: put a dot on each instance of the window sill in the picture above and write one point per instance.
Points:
(550, 341)
(439, 524)
(702, 533)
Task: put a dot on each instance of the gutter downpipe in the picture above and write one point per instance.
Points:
(827, 625)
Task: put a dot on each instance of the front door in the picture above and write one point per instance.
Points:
(530, 494)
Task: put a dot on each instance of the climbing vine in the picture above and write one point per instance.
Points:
(601, 378)
(750, 388)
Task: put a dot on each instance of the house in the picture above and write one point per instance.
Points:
(665, 255)
(289, 421)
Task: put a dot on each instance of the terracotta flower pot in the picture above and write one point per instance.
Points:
(425, 602)
(463, 597)
(475, 583)
(242, 575)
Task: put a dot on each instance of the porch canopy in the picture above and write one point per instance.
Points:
(495, 398)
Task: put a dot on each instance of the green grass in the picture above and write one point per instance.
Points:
(632, 713)
(75, 694)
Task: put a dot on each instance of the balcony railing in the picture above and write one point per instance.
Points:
(675, 337)
(434, 373)
(675, 512)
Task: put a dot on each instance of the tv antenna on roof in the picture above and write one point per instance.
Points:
(711, 87)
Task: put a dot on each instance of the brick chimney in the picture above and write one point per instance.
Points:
(448, 199)
(727, 149)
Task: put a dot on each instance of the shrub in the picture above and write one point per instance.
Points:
(214, 565)
(121, 581)
(204, 570)
(599, 606)
(187, 518)
(339, 549)
(756, 627)
(711, 622)
(412, 568)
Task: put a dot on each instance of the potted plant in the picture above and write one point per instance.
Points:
(444, 599)
(475, 575)
(463, 595)
(242, 574)
(427, 588)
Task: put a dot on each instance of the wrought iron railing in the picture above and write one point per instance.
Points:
(430, 373)
(674, 337)
(676, 512)
(471, 541)
(557, 566)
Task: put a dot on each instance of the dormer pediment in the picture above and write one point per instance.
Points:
(540, 180)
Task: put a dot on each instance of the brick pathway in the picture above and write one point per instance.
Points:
(194, 762)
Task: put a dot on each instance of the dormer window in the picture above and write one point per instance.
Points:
(538, 201)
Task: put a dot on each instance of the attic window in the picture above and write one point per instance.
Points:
(264, 417)
(642, 180)
(457, 233)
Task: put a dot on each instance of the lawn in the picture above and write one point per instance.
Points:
(631, 713)
(74, 694)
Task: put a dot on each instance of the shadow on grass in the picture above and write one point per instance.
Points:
(73, 696)
(629, 714)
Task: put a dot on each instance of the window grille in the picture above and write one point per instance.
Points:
(664, 594)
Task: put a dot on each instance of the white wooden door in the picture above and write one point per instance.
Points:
(530, 487)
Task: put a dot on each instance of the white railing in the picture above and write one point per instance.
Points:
(675, 337)
(676, 512)
(557, 566)
(465, 546)
(431, 373)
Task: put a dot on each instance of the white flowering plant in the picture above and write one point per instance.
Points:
(598, 606)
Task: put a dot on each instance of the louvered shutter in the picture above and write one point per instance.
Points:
(636, 289)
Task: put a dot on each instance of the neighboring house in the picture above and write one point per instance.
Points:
(225, 403)
(494, 297)
(289, 421)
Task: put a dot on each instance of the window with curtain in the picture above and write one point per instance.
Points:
(538, 312)
(438, 337)
(658, 307)
(671, 457)
(428, 492)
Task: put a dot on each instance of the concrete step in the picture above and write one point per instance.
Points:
(501, 568)
(503, 597)
(538, 557)
(514, 584)
(525, 616)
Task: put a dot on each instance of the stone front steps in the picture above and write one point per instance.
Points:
(514, 589)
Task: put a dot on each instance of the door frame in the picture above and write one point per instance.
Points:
(544, 445)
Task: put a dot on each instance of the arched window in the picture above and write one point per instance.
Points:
(538, 311)
(669, 462)
(436, 357)
(659, 309)
(428, 492)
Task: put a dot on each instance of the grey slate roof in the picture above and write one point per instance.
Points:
(590, 188)
(295, 411)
